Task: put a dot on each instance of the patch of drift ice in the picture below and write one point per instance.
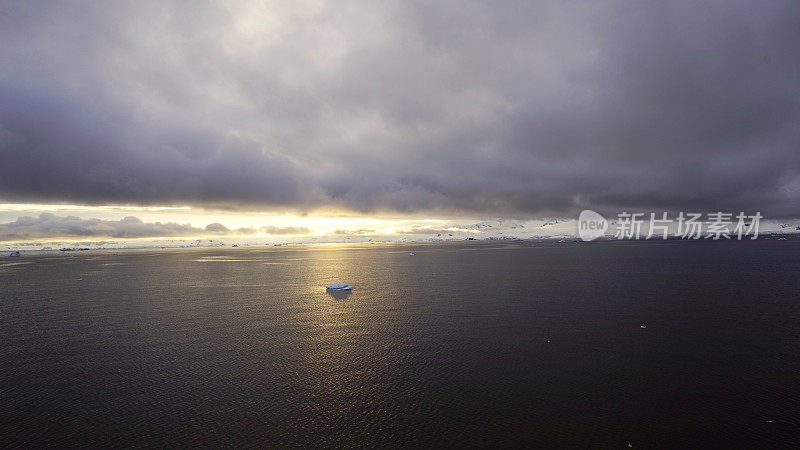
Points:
(339, 287)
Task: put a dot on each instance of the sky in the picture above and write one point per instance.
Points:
(190, 119)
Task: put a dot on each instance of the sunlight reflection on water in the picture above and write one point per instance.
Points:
(451, 346)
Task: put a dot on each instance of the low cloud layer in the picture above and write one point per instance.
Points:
(514, 107)
(48, 225)
(273, 230)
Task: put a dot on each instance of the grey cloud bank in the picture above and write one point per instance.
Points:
(47, 225)
(485, 107)
(273, 230)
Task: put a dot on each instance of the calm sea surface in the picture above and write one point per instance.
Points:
(464, 344)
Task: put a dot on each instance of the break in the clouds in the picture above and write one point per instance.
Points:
(489, 107)
(48, 225)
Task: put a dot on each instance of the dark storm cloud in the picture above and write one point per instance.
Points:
(491, 107)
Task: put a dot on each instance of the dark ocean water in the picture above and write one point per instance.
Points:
(464, 344)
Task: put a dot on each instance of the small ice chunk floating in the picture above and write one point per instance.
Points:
(339, 287)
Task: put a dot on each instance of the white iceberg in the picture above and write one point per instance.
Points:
(339, 287)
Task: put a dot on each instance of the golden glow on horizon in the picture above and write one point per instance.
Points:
(241, 223)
